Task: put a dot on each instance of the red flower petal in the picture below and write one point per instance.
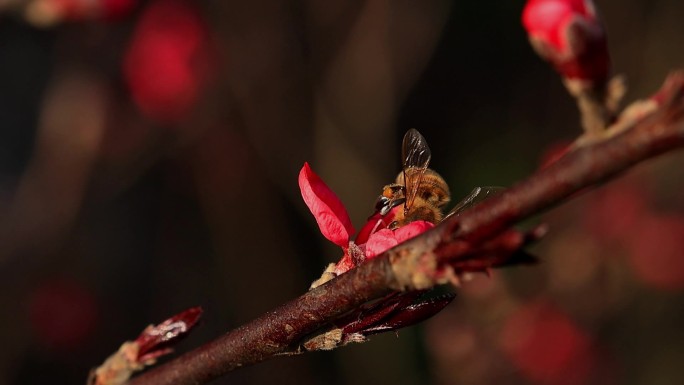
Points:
(326, 207)
(379, 242)
(385, 239)
(411, 230)
(376, 222)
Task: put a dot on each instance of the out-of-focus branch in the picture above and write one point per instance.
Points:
(643, 131)
(49, 13)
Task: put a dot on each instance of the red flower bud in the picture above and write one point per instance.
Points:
(154, 341)
(326, 207)
(570, 35)
(394, 312)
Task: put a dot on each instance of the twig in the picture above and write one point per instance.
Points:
(425, 260)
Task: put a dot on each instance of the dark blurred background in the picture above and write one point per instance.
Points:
(149, 153)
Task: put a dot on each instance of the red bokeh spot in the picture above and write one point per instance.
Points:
(114, 9)
(546, 346)
(62, 313)
(167, 60)
(657, 252)
(614, 212)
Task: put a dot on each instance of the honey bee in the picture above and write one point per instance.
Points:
(421, 190)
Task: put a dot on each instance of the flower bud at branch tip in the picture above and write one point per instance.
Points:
(570, 35)
(155, 341)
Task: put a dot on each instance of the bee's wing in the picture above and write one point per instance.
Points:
(416, 156)
(476, 196)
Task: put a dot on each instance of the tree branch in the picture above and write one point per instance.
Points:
(645, 130)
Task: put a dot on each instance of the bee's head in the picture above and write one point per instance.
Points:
(392, 196)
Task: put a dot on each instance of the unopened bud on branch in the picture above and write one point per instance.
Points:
(570, 35)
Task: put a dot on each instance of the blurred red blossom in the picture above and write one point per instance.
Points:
(614, 212)
(62, 313)
(546, 345)
(113, 9)
(168, 60)
(569, 34)
(654, 242)
(657, 251)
